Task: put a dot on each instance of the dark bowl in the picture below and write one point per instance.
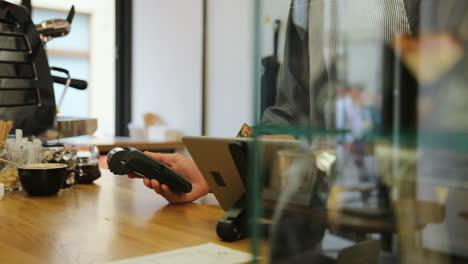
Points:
(43, 179)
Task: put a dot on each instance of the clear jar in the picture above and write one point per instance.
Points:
(65, 154)
(9, 174)
(87, 163)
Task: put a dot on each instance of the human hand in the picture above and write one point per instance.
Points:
(185, 167)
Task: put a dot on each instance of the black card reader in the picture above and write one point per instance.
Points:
(122, 161)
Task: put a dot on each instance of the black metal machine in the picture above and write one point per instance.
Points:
(26, 85)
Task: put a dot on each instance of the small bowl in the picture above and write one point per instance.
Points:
(43, 178)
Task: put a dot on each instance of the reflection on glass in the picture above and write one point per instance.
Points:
(380, 87)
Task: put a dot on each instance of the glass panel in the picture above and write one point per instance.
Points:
(369, 159)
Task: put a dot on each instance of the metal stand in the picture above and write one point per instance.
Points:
(233, 225)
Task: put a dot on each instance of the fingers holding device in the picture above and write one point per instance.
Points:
(122, 161)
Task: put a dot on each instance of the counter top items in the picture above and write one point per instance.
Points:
(21, 151)
(154, 129)
(87, 163)
(66, 127)
(9, 179)
(2, 191)
(5, 128)
(64, 154)
(43, 179)
(152, 120)
(39, 179)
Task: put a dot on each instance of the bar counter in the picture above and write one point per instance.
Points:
(114, 218)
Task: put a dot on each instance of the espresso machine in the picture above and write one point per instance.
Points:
(26, 80)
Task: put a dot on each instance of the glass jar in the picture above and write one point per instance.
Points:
(65, 154)
(87, 163)
(9, 174)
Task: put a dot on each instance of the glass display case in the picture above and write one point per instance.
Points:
(371, 97)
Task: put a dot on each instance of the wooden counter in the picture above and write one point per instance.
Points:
(118, 218)
(115, 218)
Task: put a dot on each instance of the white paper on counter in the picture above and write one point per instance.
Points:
(206, 253)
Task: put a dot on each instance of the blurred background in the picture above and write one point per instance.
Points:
(180, 64)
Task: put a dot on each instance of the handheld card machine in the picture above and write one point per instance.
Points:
(122, 161)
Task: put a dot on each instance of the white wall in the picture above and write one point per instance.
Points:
(167, 45)
(102, 62)
(230, 59)
(229, 66)
(167, 64)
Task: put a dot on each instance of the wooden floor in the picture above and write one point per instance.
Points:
(115, 218)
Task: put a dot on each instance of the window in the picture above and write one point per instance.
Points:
(70, 52)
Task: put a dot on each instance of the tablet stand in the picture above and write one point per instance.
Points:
(234, 223)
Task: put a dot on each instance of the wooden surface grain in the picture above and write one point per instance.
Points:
(113, 219)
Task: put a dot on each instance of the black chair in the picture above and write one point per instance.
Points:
(271, 67)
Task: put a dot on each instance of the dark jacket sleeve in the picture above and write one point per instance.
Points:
(292, 96)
